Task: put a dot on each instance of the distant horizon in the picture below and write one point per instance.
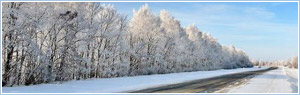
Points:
(266, 31)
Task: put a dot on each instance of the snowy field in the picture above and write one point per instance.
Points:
(122, 84)
(282, 80)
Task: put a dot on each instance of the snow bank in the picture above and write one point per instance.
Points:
(107, 85)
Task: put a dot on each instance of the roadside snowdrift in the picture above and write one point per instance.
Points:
(107, 85)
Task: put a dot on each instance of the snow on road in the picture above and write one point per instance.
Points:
(274, 81)
(293, 73)
(122, 84)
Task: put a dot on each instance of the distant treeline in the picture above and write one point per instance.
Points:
(291, 63)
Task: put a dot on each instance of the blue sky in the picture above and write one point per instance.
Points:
(265, 30)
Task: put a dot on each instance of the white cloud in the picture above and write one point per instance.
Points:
(259, 12)
(213, 8)
(241, 25)
(215, 15)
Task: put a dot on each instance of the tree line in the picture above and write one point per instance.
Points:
(291, 63)
(45, 42)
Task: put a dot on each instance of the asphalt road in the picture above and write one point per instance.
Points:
(209, 85)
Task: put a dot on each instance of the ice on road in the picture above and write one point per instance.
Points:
(274, 81)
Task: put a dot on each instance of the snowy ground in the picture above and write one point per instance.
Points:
(282, 80)
(123, 83)
(293, 77)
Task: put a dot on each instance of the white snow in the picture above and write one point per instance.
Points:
(274, 81)
(122, 84)
(293, 73)
(293, 77)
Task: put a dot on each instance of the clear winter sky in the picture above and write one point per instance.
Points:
(265, 30)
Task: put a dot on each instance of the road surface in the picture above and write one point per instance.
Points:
(210, 85)
(274, 81)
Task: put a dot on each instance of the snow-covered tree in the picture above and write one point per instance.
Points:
(46, 42)
(144, 38)
(291, 63)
